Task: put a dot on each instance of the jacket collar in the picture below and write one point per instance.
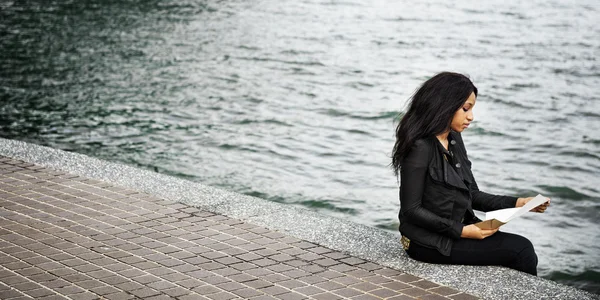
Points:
(451, 163)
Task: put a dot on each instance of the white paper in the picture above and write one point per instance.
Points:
(502, 215)
(507, 214)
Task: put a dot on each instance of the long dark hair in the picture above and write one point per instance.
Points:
(430, 111)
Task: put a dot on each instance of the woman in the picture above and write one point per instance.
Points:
(437, 190)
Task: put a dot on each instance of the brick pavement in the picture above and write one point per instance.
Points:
(64, 236)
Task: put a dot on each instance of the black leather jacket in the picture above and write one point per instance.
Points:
(438, 193)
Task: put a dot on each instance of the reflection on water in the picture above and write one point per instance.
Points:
(295, 102)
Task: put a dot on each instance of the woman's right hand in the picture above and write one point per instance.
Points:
(474, 232)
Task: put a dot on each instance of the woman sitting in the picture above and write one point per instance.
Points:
(437, 190)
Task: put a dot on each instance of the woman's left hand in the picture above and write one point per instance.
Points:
(539, 209)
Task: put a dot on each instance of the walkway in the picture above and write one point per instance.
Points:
(67, 237)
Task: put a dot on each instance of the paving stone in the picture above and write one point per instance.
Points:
(275, 277)
(369, 266)
(347, 292)
(240, 277)
(346, 280)
(396, 285)
(342, 268)
(415, 292)
(69, 290)
(360, 273)
(192, 297)
(291, 284)
(10, 294)
(215, 280)
(161, 271)
(114, 280)
(190, 283)
(176, 292)
(258, 283)
(444, 291)
(291, 296)
(30, 271)
(77, 277)
(222, 296)
(298, 263)
(226, 272)
(434, 297)
(145, 279)
(330, 285)
(130, 273)
(309, 290)
(104, 290)
(249, 256)
(407, 278)
(129, 286)
(424, 284)
(231, 286)
(463, 296)
(119, 296)
(266, 252)
(296, 273)
(26, 286)
(206, 290)
(383, 293)
(56, 283)
(40, 292)
(335, 255)
(352, 261)
(264, 262)
(364, 286)
(280, 268)
(281, 257)
(377, 279)
(62, 272)
(326, 262)
(100, 274)
(14, 279)
(228, 260)
(144, 292)
(247, 293)
(161, 285)
(274, 290)
(326, 296)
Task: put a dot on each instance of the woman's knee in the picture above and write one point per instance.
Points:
(526, 259)
(517, 243)
(525, 247)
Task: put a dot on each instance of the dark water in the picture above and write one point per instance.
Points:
(295, 101)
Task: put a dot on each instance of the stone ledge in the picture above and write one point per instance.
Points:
(369, 243)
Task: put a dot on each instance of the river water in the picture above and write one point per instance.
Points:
(295, 101)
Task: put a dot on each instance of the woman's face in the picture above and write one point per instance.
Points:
(464, 115)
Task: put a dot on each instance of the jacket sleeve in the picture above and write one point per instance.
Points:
(413, 174)
(487, 202)
(481, 200)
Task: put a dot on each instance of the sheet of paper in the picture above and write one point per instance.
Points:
(505, 215)
(538, 200)
(502, 215)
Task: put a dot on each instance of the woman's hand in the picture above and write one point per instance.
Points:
(539, 209)
(474, 232)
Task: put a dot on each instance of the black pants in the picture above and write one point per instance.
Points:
(503, 249)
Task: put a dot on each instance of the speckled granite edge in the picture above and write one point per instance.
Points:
(362, 241)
